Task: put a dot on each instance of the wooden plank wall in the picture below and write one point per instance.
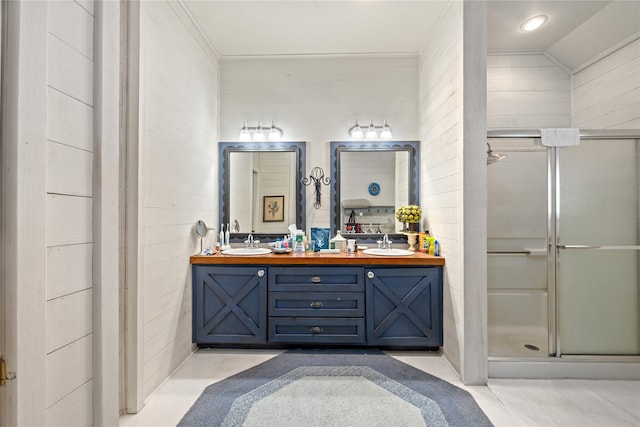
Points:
(527, 91)
(606, 94)
(452, 111)
(440, 85)
(69, 237)
(178, 134)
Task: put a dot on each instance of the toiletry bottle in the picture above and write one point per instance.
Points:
(222, 236)
(424, 247)
(226, 236)
(298, 246)
(431, 248)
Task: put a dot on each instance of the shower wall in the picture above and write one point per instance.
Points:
(527, 91)
(532, 91)
(523, 91)
(517, 256)
(606, 94)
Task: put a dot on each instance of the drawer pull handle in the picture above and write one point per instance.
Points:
(370, 275)
(316, 304)
(316, 329)
(260, 273)
(316, 279)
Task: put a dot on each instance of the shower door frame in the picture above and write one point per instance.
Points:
(553, 247)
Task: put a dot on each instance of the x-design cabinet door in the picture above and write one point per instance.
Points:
(404, 306)
(229, 304)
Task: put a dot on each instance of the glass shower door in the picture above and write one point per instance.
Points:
(598, 248)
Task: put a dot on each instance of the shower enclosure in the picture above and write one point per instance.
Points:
(564, 247)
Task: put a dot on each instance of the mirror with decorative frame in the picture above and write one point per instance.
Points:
(369, 181)
(261, 189)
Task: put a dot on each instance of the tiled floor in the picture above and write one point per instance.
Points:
(508, 403)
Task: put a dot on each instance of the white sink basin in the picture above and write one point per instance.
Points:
(246, 251)
(388, 252)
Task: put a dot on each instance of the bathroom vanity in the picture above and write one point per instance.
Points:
(317, 299)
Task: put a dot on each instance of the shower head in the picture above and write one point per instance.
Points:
(493, 157)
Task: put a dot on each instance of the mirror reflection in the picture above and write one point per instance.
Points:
(260, 187)
(262, 193)
(369, 181)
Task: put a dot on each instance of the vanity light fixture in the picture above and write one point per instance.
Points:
(355, 131)
(275, 133)
(533, 23)
(386, 131)
(372, 131)
(244, 133)
(258, 133)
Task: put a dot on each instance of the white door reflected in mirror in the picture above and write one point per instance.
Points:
(262, 191)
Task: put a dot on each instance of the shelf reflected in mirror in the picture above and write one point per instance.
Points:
(369, 180)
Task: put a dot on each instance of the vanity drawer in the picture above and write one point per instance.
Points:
(333, 279)
(319, 330)
(316, 304)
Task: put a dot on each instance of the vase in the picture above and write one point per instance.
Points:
(412, 227)
(411, 240)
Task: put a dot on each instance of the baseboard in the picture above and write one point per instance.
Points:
(559, 368)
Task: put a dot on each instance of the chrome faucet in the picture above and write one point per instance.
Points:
(385, 243)
(250, 242)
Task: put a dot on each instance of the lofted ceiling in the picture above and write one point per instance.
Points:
(577, 30)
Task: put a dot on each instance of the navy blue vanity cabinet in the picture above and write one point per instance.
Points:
(229, 304)
(404, 306)
(316, 305)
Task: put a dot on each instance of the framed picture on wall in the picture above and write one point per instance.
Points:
(273, 208)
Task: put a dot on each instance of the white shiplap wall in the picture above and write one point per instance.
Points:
(606, 94)
(178, 160)
(56, 212)
(441, 165)
(69, 185)
(316, 99)
(453, 176)
(527, 91)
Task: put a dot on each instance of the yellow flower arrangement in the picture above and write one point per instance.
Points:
(410, 214)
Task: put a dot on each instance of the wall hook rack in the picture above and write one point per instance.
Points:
(317, 178)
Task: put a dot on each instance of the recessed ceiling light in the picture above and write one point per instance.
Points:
(533, 23)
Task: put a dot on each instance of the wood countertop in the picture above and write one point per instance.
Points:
(302, 258)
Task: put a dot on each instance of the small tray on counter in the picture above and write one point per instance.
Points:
(281, 251)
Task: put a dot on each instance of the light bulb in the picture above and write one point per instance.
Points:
(386, 131)
(258, 135)
(244, 133)
(274, 133)
(356, 132)
(371, 131)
